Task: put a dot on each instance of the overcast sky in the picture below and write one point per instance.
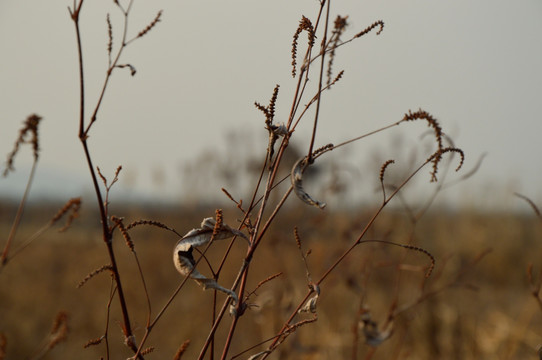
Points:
(475, 65)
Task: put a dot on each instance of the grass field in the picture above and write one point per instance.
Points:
(477, 303)
(286, 277)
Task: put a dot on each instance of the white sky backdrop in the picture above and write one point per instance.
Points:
(474, 65)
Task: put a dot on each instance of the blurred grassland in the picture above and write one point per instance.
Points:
(482, 310)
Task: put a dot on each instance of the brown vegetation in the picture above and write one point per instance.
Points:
(290, 278)
(473, 308)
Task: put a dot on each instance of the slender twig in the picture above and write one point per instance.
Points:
(18, 216)
(106, 232)
(320, 82)
(341, 258)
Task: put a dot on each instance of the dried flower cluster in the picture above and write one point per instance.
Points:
(379, 23)
(304, 25)
(30, 127)
(72, 206)
(339, 26)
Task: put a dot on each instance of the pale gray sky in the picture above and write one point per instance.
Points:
(474, 65)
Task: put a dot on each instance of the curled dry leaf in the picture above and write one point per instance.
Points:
(184, 259)
(310, 305)
(297, 182)
(280, 129)
(375, 336)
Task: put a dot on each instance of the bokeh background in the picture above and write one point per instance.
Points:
(185, 125)
(474, 66)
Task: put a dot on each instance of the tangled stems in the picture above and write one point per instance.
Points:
(107, 231)
(285, 328)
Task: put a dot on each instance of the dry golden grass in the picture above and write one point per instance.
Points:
(484, 310)
(302, 282)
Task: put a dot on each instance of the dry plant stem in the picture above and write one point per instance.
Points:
(531, 204)
(149, 308)
(34, 236)
(302, 77)
(344, 255)
(253, 203)
(83, 136)
(453, 282)
(256, 239)
(253, 347)
(309, 104)
(161, 312)
(362, 136)
(108, 314)
(28, 241)
(151, 325)
(269, 184)
(213, 319)
(320, 82)
(108, 237)
(336, 46)
(18, 216)
(248, 257)
(113, 64)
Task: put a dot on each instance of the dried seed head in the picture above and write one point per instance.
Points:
(304, 25)
(457, 151)
(147, 350)
(269, 110)
(181, 350)
(93, 342)
(123, 231)
(94, 273)
(383, 169)
(150, 223)
(337, 78)
(431, 122)
(149, 27)
(322, 150)
(338, 29)
(30, 126)
(272, 102)
(104, 180)
(72, 206)
(340, 24)
(419, 249)
(371, 27)
(437, 157)
(110, 35)
(218, 223)
(297, 238)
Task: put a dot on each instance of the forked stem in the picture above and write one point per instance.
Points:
(106, 232)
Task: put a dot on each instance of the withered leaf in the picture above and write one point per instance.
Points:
(296, 177)
(184, 259)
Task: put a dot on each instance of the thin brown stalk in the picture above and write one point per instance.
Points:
(320, 84)
(172, 297)
(18, 216)
(341, 258)
(531, 203)
(83, 135)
